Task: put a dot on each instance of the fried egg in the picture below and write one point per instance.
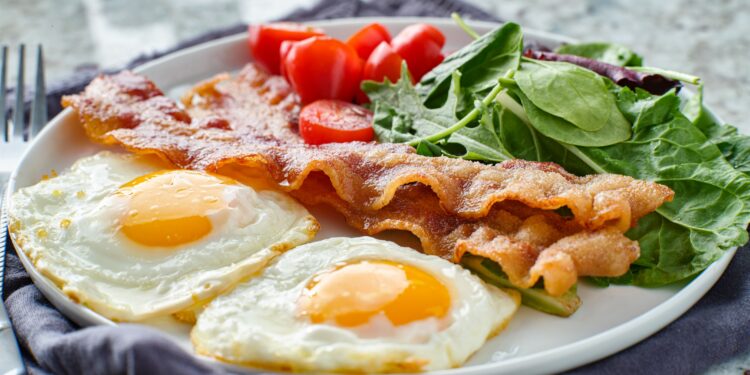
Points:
(133, 239)
(354, 305)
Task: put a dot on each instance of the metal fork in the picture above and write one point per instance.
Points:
(15, 137)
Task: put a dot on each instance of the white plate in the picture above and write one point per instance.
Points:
(609, 320)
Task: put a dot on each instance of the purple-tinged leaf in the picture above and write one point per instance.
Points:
(653, 83)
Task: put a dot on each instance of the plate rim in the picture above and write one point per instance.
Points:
(561, 358)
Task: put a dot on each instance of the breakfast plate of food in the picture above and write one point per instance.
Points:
(386, 196)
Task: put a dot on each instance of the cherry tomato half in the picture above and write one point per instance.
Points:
(367, 38)
(383, 63)
(283, 51)
(323, 68)
(431, 31)
(265, 40)
(420, 45)
(326, 121)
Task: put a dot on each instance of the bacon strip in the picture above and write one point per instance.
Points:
(503, 212)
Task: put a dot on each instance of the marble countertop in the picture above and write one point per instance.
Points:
(708, 39)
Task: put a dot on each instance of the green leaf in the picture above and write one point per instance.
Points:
(734, 146)
(711, 208)
(632, 103)
(609, 53)
(426, 148)
(645, 109)
(481, 64)
(524, 142)
(616, 130)
(693, 107)
(519, 138)
(574, 94)
(625, 279)
(400, 117)
(668, 252)
(536, 298)
(669, 74)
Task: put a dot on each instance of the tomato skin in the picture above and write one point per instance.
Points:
(367, 38)
(323, 68)
(265, 40)
(432, 32)
(326, 121)
(283, 51)
(421, 46)
(383, 63)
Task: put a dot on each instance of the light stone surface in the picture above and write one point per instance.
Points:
(710, 39)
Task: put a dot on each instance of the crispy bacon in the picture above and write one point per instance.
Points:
(504, 212)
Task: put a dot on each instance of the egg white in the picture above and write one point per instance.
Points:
(256, 323)
(67, 226)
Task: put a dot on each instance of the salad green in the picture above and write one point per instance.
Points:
(587, 107)
(614, 128)
(711, 207)
(488, 103)
(481, 64)
(536, 297)
(400, 116)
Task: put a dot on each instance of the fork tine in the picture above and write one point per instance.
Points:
(39, 105)
(18, 120)
(3, 85)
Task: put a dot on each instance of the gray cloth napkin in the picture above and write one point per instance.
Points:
(714, 330)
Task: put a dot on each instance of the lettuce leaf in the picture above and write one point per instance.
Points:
(734, 146)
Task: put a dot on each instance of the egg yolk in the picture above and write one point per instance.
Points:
(170, 208)
(353, 293)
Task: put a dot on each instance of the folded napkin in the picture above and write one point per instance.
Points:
(714, 330)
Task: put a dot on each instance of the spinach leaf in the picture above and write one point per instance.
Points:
(480, 63)
(651, 82)
(711, 208)
(524, 142)
(574, 94)
(400, 117)
(610, 53)
(519, 138)
(617, 129)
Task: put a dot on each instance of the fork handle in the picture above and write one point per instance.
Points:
(11, 362)
(10, 356)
